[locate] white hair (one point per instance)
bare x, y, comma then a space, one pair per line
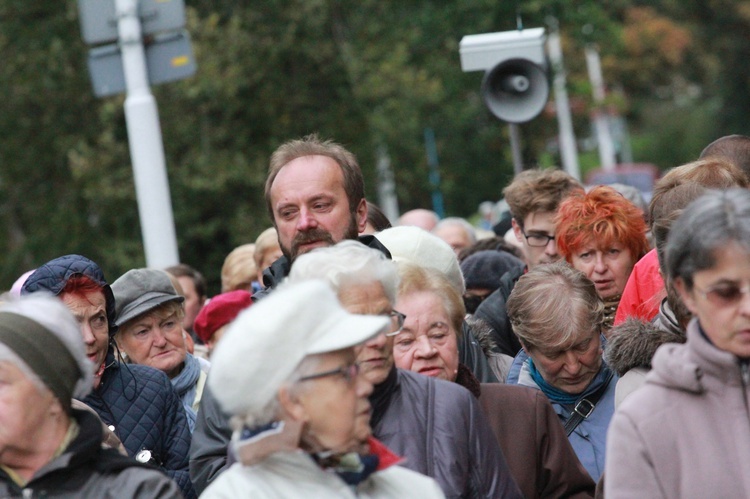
346, 263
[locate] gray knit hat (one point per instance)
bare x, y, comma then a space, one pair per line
41, 337
484, 269
138, 291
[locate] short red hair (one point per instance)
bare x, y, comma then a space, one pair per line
602, 216
81, 286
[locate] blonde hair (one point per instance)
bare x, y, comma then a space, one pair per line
268, 240
552, 304
239, 269
415, 279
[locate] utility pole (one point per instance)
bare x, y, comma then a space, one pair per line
126, 65
567, 139
601, 123
145, 141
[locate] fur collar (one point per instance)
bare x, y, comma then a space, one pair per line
633, 344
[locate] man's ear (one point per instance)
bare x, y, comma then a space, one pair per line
685, 295
516, 230
361, 215
291, 404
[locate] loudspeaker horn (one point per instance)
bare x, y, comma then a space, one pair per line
515, 90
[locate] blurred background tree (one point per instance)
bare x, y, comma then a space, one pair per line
368, 74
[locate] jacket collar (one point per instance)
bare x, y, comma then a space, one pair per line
381, 396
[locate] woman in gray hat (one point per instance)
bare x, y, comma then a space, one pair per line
149, 314
47, 448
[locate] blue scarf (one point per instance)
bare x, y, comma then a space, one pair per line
561, 397
185, 384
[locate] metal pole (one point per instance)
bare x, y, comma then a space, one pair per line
601, 124
145, 141
568, 150
432, 162
515, 147
386, 185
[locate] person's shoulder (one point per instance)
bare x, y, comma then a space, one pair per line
443, 391
397, 481
151, 383
145, 483
147, 374
241, 481
516, 394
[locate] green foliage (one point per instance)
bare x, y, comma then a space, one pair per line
367, 74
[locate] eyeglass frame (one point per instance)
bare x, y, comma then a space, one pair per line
400, 320
720, 301
546, 236
349, 372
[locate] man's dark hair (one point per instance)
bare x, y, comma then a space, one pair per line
376, 217
185, 270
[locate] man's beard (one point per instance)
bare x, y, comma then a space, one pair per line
318, 235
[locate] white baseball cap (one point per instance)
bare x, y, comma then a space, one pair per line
266, 342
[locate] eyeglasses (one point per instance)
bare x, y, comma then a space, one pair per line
724, 295
347, 372
538, 240
397, 322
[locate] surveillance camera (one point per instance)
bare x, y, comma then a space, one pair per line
483, 52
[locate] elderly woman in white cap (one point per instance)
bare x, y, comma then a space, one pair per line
48, 449
149, 314
286, 371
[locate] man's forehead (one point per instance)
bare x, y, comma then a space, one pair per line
542, 221
307, 177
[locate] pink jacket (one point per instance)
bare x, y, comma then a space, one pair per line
686, 432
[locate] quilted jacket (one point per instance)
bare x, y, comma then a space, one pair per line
146, 413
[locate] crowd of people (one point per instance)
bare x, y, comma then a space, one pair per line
595, 345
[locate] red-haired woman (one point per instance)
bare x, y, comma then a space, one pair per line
603, 235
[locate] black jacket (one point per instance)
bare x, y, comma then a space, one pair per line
440, 429
85, 469
492, 310
279, 269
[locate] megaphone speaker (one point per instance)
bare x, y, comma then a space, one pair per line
516, 90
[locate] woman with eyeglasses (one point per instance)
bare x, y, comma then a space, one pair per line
686, 432
541, 459
299, 433
603, 235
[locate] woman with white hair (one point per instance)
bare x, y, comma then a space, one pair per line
685, 433
48, 449
286, 371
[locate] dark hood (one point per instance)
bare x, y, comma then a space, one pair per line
54, 275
